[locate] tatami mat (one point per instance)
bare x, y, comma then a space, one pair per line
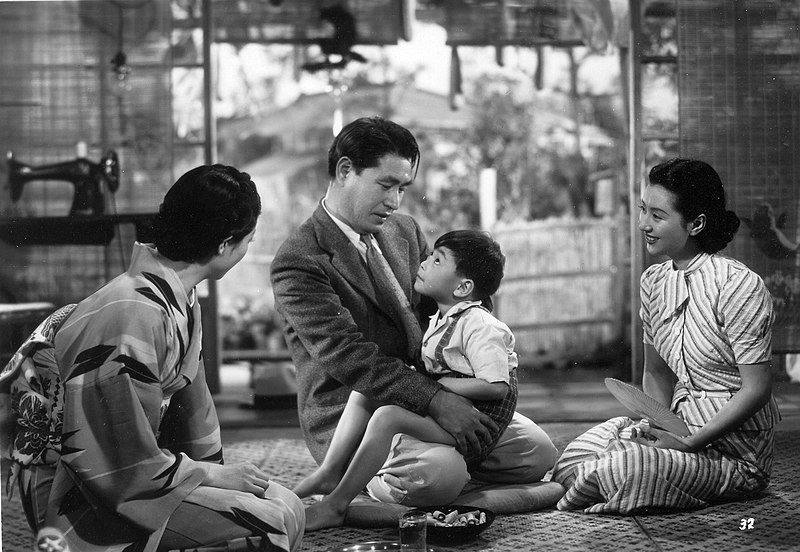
775, 519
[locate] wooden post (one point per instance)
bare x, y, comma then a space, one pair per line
488, 198
212, 340
635, 171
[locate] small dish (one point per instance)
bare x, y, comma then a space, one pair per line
455, 523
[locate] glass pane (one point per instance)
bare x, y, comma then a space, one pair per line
187, 46
187, 104
659, 36
660, 100
187, 157
657, 151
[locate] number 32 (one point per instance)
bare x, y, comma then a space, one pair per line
746, 524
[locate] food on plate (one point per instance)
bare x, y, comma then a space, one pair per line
437, 518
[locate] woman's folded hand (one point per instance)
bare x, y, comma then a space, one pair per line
244, 477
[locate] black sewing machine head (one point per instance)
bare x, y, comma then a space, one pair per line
87, 177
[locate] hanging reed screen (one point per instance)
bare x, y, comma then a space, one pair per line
521, 23
59, 88
739, 63
308, 21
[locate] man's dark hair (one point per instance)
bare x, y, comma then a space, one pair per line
365, 141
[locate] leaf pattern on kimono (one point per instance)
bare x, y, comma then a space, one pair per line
215, 458
189, 320
91, 359
136, 546
150, 294
181, 352
135, 369
165, 289
168, 475
65, 447
254, 523
72, 502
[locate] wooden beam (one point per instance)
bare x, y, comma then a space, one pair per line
635, 173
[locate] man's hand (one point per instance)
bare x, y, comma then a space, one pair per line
243, 477
468, 425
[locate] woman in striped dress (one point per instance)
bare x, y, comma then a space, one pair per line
707, 323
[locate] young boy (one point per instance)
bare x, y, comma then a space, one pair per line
465, 348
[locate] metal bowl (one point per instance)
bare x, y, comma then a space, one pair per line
372, 546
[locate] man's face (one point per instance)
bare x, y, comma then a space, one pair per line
365, 201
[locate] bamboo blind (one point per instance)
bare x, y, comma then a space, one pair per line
58, 88
740, 111
298, 21
501, 22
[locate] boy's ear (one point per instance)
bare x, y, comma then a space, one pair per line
464, 289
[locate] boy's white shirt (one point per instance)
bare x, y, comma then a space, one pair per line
481, 345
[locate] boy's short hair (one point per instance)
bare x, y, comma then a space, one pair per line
477, 257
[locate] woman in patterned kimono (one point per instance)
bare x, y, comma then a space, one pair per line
707, 323
115, 437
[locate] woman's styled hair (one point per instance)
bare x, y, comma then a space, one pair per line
698, 191
477, 257
368, 139
205, 206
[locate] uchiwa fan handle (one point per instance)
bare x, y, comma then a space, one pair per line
656, 413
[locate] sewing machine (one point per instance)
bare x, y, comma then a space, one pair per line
88, 178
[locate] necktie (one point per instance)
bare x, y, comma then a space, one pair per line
388, 286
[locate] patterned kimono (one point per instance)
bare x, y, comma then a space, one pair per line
115, 428
704, 322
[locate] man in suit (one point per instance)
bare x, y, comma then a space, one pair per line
345, 332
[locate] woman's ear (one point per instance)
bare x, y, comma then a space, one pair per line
464, 289
224, 243
697, 225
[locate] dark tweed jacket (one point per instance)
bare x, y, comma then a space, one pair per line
341, 335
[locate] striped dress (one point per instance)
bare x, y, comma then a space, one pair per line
703, 321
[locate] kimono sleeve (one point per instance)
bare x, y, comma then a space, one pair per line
191, 424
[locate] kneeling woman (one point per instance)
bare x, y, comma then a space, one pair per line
115, 438
707, 323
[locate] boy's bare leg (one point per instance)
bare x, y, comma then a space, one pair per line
346, 439
385, 422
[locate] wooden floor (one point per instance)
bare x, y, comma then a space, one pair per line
550, 396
